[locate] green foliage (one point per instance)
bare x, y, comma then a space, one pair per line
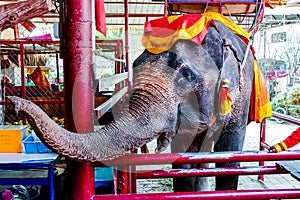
288, 99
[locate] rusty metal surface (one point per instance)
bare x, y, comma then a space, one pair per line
146, 174
204, 157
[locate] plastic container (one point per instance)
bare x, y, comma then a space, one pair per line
104, 180
33, 145
11, 137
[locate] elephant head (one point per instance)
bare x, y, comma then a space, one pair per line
163, 83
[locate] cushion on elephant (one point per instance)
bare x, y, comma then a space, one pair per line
160, 34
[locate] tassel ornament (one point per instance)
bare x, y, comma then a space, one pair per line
224, 98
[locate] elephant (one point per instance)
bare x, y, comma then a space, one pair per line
175, 99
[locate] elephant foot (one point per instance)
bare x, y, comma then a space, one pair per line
201, 184
184, 184
164, 140
226, 182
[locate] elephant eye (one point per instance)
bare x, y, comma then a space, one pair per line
187, 74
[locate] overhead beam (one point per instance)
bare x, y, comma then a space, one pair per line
13, 13
134, 15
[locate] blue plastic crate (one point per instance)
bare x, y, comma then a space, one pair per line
35, 146
104, 180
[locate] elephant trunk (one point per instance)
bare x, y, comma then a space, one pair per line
147, 116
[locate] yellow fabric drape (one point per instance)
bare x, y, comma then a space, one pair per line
160, 34
30, 70
230, 24
263, 108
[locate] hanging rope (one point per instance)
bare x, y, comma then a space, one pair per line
257, 12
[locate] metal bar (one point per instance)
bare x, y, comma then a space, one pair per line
77, 57
24, 181
25, 166
133, 178
177, 173
126, 9
47, 101
262, 139
29, 53
23, 90
108, 41
209, 195
134, 3
202, 157
214, 1
286, 118
57, 67
104, 107
51, 182
29, 42
111, 80
123, 179
98, 53
134, 15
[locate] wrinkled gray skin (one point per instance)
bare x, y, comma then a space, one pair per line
175, 97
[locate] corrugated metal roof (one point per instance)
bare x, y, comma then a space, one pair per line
139, 11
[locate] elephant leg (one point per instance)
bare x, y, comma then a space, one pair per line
227, 182
186, 184
229, 141
164, 140
202, 183
189, 184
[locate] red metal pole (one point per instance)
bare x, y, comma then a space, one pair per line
77, 51
133, 178
22, 65
123, 179
22, 56
262, 139
124, 175
126, 9
286, 118
175, 173
209, 195
201, 157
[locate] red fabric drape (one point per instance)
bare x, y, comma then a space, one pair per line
39, 79
100, 16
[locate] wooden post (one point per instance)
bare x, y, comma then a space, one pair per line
14, 13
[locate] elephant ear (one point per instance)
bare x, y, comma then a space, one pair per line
230, 39
234, 49
214, 46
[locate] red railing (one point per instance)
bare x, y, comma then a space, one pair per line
126, 174
125, 182
237, 194
277, 115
